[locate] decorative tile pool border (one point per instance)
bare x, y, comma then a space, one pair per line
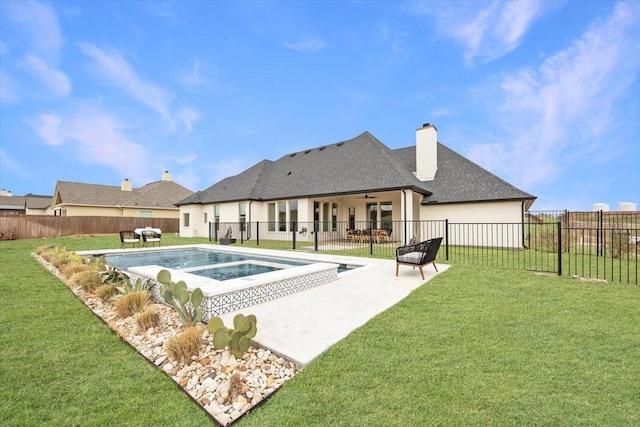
219, 304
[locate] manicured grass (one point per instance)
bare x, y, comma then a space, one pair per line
478, 346
475, 346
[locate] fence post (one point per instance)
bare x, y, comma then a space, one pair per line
446, 239
315, 235
209, 230
370, 237
559, 248
293, 234
257, 233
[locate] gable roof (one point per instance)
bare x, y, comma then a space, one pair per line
28, 201
155, 195
359, 165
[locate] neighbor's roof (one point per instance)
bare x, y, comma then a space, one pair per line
359, 165
155, 195
28, 201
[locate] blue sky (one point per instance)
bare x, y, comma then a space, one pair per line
545, 94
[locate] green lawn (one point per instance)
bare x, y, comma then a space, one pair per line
475, 346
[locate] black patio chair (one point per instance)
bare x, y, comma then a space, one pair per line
418, 255
150, 236
129, 238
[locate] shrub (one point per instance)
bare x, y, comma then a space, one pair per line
104, 292
111, 274
131, 303
125, 287
70, 269
87, 280
147, 319
185, 345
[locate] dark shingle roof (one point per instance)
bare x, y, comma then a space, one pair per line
458, 179
159, 194
359, 165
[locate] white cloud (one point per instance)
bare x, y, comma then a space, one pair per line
555, 115
309, 44
487, 30
192, 77
8, 164
118, 72
8, 88
188, 116
52, 78
47, 126
96, 138
40, 23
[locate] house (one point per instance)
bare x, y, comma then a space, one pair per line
153, 200
29, 204
357, 181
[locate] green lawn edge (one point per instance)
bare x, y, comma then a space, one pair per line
474, 346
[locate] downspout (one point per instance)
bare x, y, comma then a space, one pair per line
249, 222
404, 203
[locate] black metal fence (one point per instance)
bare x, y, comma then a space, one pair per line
589, 245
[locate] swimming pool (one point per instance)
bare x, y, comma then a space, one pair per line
220, 265
231, 278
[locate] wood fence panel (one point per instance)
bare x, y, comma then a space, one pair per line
39, 226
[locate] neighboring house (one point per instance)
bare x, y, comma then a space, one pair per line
29, 204
153, 200
356, 181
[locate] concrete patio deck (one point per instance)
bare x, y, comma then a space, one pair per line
303, 325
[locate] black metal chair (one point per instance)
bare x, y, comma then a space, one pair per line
129, 237
150, 236
418, 255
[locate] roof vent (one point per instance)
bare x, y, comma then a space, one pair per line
339, 144
307, 151
292, 155
289, 173
321, 148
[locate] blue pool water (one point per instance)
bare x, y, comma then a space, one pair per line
189, 258
186, 258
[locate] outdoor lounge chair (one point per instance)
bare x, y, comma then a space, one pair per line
150, 236
129, 237
418, 255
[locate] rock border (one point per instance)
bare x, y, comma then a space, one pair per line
206, 378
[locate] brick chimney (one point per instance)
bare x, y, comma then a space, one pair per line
426, 152
166, 176
126, 185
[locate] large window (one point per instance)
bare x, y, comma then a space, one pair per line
386, 215
216, 217
282, 216
325, 216
185, 219
271, 219
372, 209
334, 217
146, 214
242, 215
352, 218
293, 215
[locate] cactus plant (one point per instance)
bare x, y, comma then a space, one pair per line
176, 294
237, 338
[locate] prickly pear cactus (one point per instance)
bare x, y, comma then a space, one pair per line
176, 294
237, 338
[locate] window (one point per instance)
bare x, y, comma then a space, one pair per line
293, 215
282, 216
372, 208
216, 216
325, 217
386, 215
185, 219
206, 217
242, 210
271, 219
334, 217
352, 218
146, 214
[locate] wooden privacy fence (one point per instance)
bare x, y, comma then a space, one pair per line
38, 226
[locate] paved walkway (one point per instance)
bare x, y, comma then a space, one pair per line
303, 325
